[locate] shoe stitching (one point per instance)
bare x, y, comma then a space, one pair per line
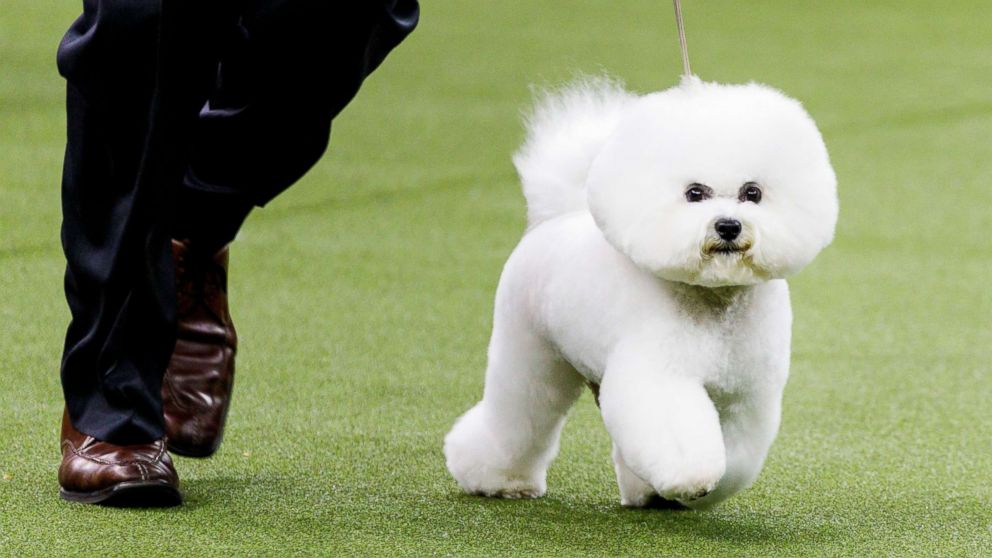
138, 461
86, 441
161, 450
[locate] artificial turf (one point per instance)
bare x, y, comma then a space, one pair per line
363, 299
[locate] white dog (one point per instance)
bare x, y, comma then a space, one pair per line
660, 228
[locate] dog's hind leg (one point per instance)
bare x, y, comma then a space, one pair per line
634, 491
504, 445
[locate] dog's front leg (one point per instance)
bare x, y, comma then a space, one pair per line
664, 426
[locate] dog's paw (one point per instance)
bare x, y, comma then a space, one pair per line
494, 483
480, 467
514, 490
690, 485
638, 499
689, 492
497, 483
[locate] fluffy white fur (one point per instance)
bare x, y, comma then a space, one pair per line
622, 282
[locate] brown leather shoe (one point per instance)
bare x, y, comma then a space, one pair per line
196, 390
95, 472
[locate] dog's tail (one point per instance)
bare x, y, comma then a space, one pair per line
565, 132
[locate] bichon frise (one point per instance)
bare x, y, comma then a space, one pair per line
660, 228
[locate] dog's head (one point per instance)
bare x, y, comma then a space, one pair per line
716, 185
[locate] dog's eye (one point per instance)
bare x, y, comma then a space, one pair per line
698, 192
750, 192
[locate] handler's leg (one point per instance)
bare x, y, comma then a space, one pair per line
295, 65
137, 71
290, 67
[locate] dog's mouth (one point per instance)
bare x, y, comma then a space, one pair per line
725, 248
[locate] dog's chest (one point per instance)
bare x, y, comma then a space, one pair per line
728, 342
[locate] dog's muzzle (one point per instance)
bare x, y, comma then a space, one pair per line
727, 240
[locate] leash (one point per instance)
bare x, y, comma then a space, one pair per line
686, 70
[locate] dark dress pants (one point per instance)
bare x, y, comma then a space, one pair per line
227, 102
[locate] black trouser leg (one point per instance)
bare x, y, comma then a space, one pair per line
138, 71
294, 65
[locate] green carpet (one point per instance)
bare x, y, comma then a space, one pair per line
363, 298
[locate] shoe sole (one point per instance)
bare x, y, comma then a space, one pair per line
129, 494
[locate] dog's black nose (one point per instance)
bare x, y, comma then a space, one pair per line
728, 229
